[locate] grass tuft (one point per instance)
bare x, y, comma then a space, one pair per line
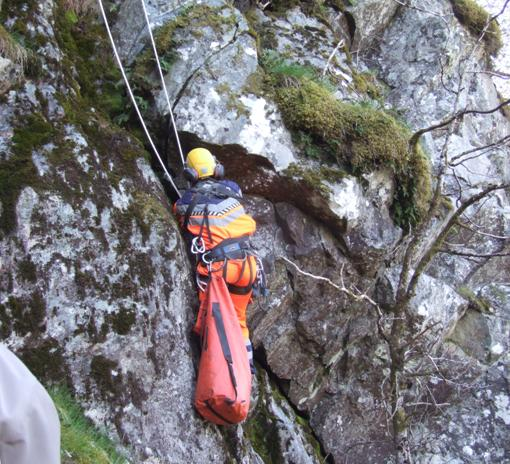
10, 49
81, 442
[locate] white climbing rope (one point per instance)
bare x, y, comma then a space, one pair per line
119, 62
154, 49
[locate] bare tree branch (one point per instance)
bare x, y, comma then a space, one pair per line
326, 68
501, 142
472, 255
499, 74
416, 136
479, 232
342, 288
501, 12
425, 260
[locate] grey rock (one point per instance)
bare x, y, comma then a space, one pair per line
10, 74
370, 232
371, 18
473, 429
228, 112
434, 304
98, 285
130, 28
275, 431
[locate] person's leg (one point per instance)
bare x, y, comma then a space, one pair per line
241, 277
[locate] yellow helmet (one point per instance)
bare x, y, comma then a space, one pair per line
202, 162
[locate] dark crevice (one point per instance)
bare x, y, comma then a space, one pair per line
283, 386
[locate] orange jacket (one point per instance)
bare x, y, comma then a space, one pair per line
211, 209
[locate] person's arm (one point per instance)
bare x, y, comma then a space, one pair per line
29, 424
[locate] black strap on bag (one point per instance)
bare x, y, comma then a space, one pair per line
224, 344
205, 218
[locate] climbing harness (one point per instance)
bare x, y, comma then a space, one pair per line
154, 49
235, 248
133, 100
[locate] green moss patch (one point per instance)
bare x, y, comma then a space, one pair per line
315, 178
81, 442
315, 8
107, 375
45, 359
475, 18
18, 171
27, 270
148, 212
122, 321
360, 138
261, 429
476, 302
88, 63
365, 83
24, 315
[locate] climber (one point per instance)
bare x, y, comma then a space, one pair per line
29, 424
218, 229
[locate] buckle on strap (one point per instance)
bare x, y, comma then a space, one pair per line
233, 248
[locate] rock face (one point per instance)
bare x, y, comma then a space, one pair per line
96, 285
231, 111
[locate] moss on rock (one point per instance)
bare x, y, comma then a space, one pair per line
262, 427
11, 49
262, 431
45, 359
193, 18
122, 321
27, 270
315, 177
19, 171
476, 302
475, 18
24, 315
362, 139
105, 372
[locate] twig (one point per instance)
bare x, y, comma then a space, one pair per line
499, 74
485, 234
342, 288
414, 139
340, 44
425, 260
424, 403
502, 141
472, 255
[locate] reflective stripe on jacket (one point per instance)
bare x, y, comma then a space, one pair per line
214, 218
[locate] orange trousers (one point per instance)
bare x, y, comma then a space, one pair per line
239, 273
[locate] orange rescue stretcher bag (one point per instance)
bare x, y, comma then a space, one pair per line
224, 378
